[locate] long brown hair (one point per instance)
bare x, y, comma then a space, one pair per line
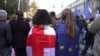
69, 16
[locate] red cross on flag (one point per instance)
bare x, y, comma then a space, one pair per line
41, 41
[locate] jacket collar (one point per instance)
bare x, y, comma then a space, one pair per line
20, 19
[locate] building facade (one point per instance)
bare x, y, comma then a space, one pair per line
93, 5
79, 4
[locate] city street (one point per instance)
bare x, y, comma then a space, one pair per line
49, 27
88, 52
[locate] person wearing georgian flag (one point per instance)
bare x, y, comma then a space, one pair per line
41, 39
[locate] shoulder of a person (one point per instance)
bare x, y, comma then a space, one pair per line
6, 24
97, 19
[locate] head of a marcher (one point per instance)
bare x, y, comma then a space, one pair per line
91, 19
52, 14
69, 17
19, 14
98, 8
42, 17
77, 17
3, 15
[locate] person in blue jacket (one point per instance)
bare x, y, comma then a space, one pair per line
67, 35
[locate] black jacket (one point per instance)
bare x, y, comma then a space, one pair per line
20, 30
5, 35
89, 37
80, 24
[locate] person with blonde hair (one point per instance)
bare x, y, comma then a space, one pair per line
67, 34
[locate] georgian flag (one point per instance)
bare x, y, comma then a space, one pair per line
41, 41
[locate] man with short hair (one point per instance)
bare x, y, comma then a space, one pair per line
5, 35
20, 30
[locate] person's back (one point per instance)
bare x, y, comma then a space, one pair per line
41, 39
5, 35
71, 46
3, 28
68, 35
89, 37
79, 23
20, 31
94, 27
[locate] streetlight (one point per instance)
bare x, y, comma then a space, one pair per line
5, 2
53, 6
62, 6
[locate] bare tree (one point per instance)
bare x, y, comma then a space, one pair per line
33, 8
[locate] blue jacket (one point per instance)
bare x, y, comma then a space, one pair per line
5, 35
71, 46
79, 23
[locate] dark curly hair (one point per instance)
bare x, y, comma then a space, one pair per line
19, 14
52, 14
42, 17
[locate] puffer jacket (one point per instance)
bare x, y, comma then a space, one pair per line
5, 35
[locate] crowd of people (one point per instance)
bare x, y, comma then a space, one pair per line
47, 35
